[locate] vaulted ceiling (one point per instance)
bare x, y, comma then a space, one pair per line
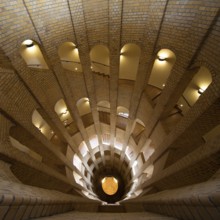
124, 89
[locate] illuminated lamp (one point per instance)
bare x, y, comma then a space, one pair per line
29, 43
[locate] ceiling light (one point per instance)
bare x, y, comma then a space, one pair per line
110, 185
29, 43
163, 85
65, 111
161, 58
200, 91
181, 105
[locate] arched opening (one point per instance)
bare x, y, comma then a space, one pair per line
162, 68
32, 55
129, 61
103, 106
83, 106
197, 86
160, 72
69, 56
99, 56
63, 112
42, 125
122, 111
84, 109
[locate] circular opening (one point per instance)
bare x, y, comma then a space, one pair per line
110, 185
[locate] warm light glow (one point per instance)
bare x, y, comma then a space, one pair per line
110, 185
116, 181
162, 56
29, 43
200, 91
65, 111
123, 114
76, 51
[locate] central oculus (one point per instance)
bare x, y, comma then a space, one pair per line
110, 185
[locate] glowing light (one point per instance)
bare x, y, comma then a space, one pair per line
200, 91
109, 185
123, 114
163, 85
29, 43
181, 105
65, 112
162, 56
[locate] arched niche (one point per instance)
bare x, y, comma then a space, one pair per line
103, 106
122, 111
199, 83
129, 61
162, 68
63, 112
42, 125
69, 56
32, 55
83, 106
99, 56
